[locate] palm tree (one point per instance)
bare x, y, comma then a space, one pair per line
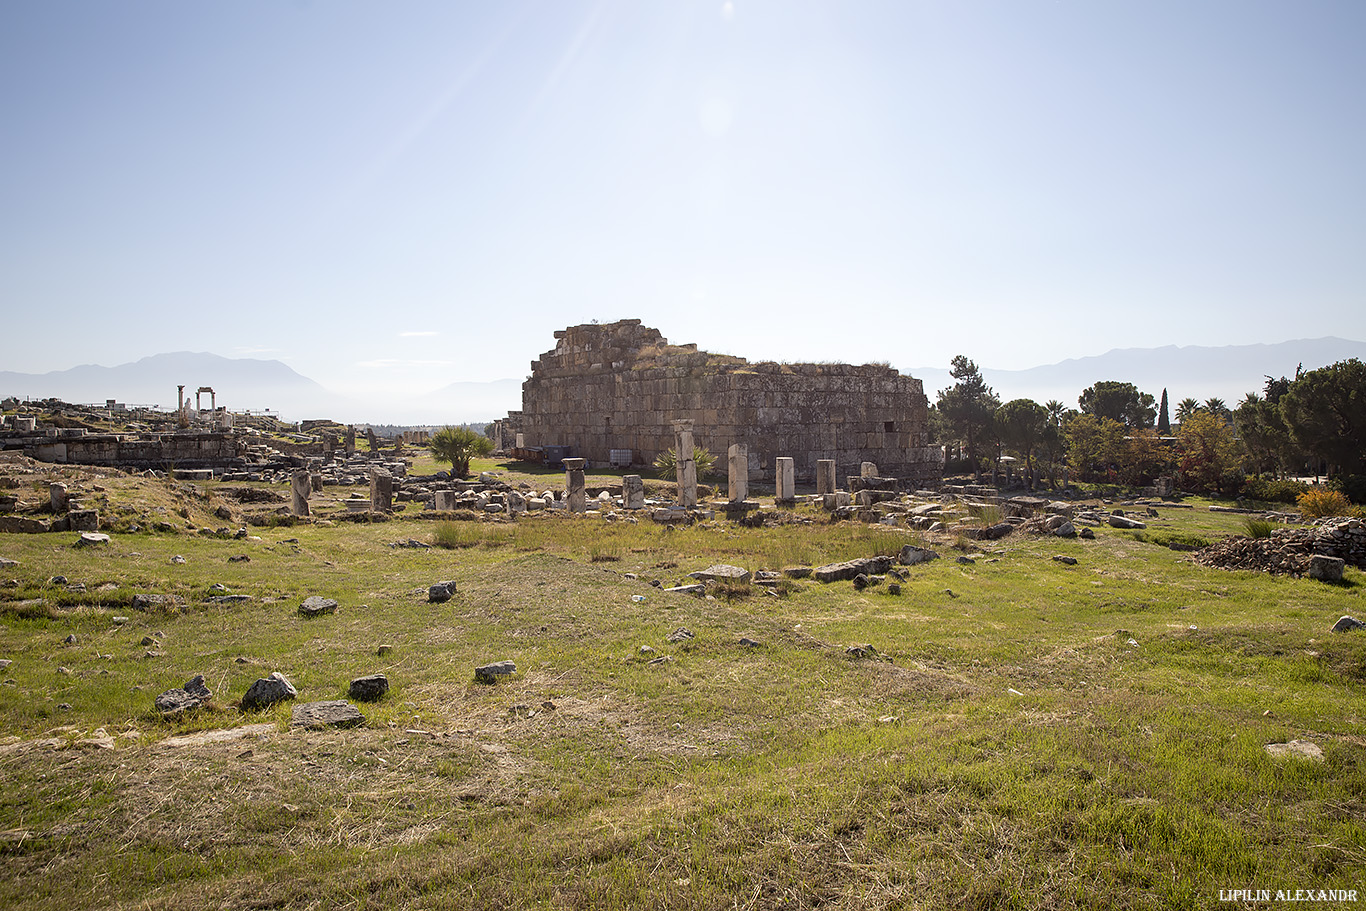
1056, 411
458, 445
1185, 408
1217, 408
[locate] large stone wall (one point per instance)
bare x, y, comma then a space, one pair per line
618, 386
153, 450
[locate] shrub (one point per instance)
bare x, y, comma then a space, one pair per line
1231, 482
458, 445
1270, 490
1320, 501
666, 463
1258, 528
1353, 486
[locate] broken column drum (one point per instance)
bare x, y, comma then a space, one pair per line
737, 460
785, 480
574, 485
381, 491
633, 492
301, 484
685, 469
825, 476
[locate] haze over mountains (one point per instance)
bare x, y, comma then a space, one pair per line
1228, 372
243, 384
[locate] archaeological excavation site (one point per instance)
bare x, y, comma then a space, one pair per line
684, 631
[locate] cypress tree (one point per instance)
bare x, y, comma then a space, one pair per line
1164, 423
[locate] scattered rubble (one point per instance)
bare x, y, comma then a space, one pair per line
333, 713
721, 572
316, 606
370, 688
1292, 551
267, 691
489, 673
192, 695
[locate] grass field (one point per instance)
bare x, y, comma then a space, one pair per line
1043, 735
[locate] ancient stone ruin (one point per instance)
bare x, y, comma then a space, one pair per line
612, 392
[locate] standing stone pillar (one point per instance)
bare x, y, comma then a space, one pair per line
301, 484
738, 458
685, 469
785, 479
381, 491
520, 441
632, 492
825, 476
573, 484
868, 470
315, 481
56, 495
350, 440
497, 436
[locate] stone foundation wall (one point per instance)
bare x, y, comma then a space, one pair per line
618, 387
186, 450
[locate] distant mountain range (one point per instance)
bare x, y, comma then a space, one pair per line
1192, 371
258, 385
248, 384
239, 383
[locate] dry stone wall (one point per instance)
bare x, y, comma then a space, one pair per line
155, 450
619, 386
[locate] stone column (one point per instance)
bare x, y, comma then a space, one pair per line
738, 458
497, 436
868, 470
350, 440
632, 492
301, 484
785, 479
685, 469
573, 484
56, 496
315, 481
381, 491
825, 476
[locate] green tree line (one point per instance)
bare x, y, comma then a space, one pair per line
1312, 424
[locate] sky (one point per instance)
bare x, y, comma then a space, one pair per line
392, 196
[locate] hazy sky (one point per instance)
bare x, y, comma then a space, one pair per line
403, 194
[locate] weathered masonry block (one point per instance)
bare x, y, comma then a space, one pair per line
620, 386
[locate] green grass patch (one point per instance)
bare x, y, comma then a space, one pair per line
1043, 735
